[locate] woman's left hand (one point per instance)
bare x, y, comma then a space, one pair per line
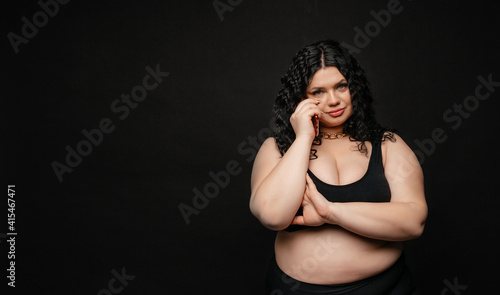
315, 207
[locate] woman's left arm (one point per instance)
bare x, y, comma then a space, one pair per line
401, 219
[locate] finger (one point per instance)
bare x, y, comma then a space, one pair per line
312, 192
307, 100
313, 98
299, 220
308, 113
313, 111
306, 103
316, 198
310, 183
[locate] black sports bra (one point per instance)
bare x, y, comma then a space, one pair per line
372, 187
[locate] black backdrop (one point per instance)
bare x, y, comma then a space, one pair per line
117, 211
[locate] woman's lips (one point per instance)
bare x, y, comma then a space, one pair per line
336, 113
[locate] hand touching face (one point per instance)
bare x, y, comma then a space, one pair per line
330, 88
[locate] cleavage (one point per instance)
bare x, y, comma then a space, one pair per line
339, 164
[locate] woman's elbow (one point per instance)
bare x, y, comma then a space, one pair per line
269, 218
416, 231
273, 223
416, 228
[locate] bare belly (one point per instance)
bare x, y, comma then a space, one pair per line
332, 255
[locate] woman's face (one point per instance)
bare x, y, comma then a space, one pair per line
330, 88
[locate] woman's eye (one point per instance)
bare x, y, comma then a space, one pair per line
342, 86
317, 92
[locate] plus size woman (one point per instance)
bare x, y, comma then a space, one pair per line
341, 191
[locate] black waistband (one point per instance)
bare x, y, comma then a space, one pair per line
278, 282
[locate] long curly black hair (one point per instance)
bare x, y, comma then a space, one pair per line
361, 125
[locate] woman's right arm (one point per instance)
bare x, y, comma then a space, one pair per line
278, 183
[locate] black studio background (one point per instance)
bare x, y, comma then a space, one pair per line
117, 212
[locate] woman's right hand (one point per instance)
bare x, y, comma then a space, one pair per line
301, 119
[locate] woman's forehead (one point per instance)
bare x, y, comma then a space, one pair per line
326, 76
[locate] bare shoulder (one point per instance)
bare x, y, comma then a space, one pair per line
268, 151
270, 143
395, 147
399, 159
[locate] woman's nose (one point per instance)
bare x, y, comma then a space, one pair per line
332, 99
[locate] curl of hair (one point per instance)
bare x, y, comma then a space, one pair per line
361, 125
